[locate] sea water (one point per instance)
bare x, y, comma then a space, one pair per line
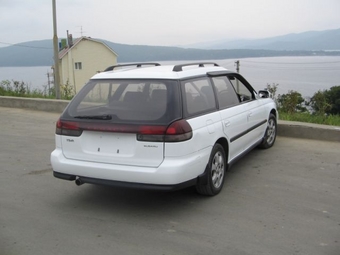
305, 75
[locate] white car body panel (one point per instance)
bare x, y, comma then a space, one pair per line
172, 171
112, 148
205, 130
234, 123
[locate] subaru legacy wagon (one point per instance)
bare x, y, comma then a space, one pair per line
144, 125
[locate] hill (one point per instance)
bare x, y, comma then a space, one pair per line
40, 53
311, 40
34, 53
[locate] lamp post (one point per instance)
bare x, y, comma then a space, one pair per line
56, 52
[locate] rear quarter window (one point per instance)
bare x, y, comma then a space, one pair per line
226, 94
198, 96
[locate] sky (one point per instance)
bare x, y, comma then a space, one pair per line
164, 22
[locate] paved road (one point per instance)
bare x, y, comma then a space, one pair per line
285, 200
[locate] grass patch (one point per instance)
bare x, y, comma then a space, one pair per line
333, 120
22, 89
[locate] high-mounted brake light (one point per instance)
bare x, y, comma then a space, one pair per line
152, 130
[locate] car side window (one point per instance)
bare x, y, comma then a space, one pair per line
199, 96
226, 95
241, 89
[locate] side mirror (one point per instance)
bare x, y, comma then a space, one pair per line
264, 94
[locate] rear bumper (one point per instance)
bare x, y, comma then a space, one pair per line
172, 174
125, 184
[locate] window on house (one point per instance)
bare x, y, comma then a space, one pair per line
78, 66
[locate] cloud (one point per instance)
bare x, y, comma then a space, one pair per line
163, 22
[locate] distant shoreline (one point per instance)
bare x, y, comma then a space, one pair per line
224, 54
328, 53
305, 74
40, 53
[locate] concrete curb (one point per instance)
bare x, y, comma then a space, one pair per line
38, 104
308, 131
285, 128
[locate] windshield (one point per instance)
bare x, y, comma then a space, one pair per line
123, 101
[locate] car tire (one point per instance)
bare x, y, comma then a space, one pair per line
270, 134
215, 173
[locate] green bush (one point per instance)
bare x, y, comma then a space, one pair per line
22, 89
291, 102
326, 102
333, 98
323, 107
319, 103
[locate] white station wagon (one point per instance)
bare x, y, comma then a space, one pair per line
149, 126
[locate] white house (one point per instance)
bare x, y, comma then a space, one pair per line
83, 58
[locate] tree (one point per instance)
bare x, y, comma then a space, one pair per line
333, 98
319, 103
326, 102
272, 89
291, 102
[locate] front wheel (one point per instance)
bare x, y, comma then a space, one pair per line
270, 135
215, 172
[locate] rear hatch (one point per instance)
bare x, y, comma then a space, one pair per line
120, 121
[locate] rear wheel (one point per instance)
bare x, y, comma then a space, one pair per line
270, 135
215, 172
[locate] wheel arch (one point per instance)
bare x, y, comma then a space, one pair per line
224, 143
202, 179
274, 112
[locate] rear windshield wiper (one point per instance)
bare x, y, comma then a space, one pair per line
95, 117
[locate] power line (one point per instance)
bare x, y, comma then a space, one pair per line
26, 46
290, 63
283, 68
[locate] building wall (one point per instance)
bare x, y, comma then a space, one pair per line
93, 56
64, 73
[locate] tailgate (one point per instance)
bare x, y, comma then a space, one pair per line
112, 148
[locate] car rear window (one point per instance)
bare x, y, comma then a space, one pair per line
151, 101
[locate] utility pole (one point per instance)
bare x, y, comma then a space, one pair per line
56, 52
48, 83
238, 71
237, 66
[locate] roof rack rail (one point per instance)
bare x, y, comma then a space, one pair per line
179, 68
110, 68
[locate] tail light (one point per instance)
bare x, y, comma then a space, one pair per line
68, 128
177, 131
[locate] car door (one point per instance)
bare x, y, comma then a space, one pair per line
233, 115
256, 119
